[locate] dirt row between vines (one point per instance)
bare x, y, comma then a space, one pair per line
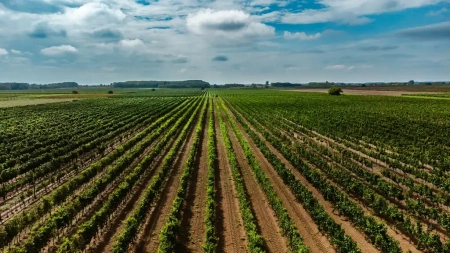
278, 184
148, 237
29, 201
92, 207
194, 210
308, 229
404, 242
107, 238
401, 204
230, 230
264, 213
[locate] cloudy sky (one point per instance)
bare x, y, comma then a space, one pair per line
224, 41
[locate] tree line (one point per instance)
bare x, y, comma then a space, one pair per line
27, 86
162, 84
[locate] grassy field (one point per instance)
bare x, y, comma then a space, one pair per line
34, 97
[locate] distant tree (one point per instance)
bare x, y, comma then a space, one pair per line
267, 83
203, 88
363, 85
110, 92
153, 89
428, 83
74, 92
411, 82
335, 91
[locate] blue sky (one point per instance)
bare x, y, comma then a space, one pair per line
224, 41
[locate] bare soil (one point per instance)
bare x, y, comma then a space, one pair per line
264, 214
148, 238
194, 211
231, 233
116, 225
313, 238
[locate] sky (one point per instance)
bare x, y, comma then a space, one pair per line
224, 41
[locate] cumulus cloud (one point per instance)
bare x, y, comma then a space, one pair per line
131, 45
3, 51
301, 36
429, 32
227, 24
351, 11
220, 58
94, 13
18, 52
59, 50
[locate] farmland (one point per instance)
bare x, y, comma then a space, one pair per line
224, 170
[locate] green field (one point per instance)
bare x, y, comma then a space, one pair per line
190, 170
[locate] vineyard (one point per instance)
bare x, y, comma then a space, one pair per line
226, 170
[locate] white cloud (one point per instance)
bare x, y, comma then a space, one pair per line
3, 51
351, 11
18, 52
348, 68
335, 67
182, 71
94, 13
301, 36
59, 50
227, 24
131, 44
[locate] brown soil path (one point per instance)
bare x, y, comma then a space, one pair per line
349, 229
193, 224
264, 214
404, 242
402, 205
148, 238
105, 241
90, 209
231, 233
313, 238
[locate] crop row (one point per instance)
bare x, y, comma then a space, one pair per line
286, 223
89, 228
255, 240
211, 239
59, 195
170, 232
139, 214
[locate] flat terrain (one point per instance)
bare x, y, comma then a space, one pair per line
371, 92
225, 170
